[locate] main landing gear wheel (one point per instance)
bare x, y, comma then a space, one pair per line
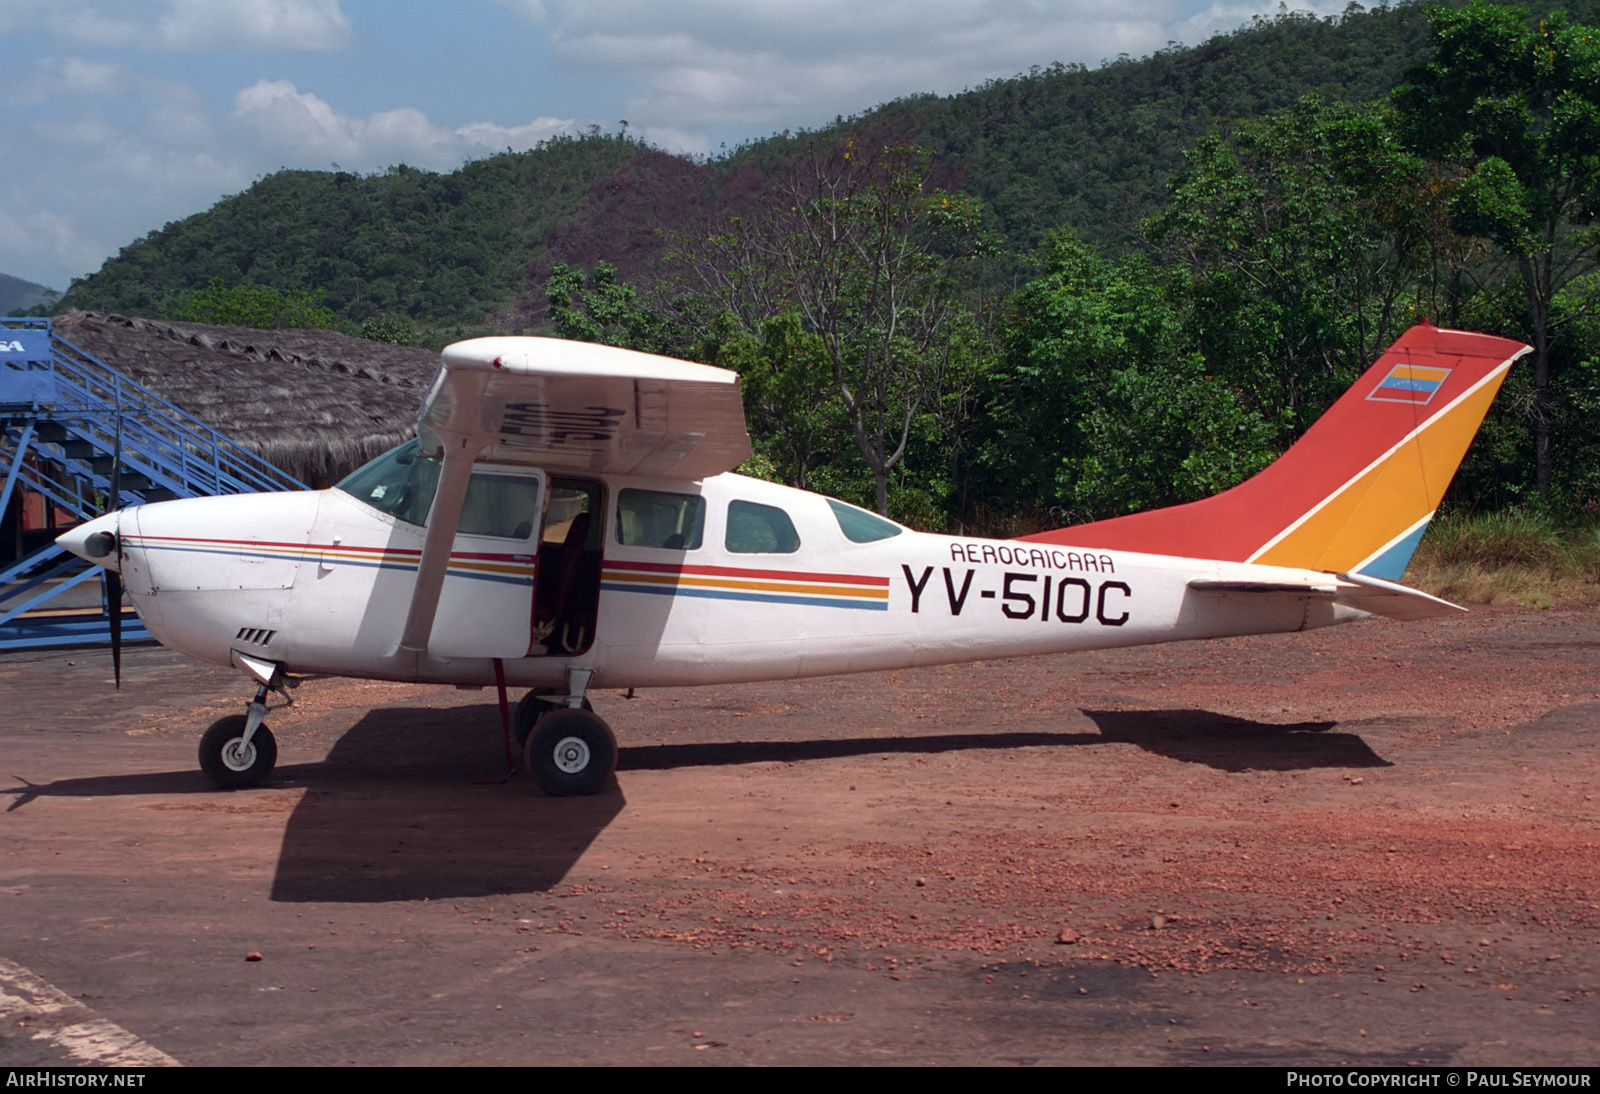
231, 763
570, 752
533, 707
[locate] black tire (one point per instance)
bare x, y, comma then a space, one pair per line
225, 766
533, 707
570, 752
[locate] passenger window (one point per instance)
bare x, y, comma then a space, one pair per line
860, 526
655, 518
500, 505
760, 530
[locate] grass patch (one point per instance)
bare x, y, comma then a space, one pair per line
1511, 557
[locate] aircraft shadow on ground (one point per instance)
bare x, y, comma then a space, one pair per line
1235, 744
1190, 736
109, 786
413, 803
667, 757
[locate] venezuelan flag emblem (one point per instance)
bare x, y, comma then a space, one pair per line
1416, 384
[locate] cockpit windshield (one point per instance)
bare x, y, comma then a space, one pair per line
400, 482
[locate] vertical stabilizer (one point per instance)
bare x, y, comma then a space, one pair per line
1356, 492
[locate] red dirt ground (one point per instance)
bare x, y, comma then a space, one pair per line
1377, 843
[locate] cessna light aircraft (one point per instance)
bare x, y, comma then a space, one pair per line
567, 519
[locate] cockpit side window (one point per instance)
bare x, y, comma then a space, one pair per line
500, 505
656, 518
402, 482
760, 530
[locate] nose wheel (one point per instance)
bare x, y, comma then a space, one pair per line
239, 750
233, 760
570, 751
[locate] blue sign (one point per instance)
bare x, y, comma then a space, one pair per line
24, 345
26, 387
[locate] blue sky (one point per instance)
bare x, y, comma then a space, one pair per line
122, 115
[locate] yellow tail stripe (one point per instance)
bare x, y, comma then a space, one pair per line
1390, 497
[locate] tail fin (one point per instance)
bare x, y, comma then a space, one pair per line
1356, 492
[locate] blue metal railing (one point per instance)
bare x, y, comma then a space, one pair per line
66, 418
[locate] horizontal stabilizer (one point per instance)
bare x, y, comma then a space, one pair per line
1372, 595
1393, 601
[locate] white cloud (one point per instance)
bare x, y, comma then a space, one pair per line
92, 183
1221, 18
282, 118
746, 63
677, 140
254, 24
55, 78
491, 137
287, 121
113, 151
42, 232
529, 11
187, 25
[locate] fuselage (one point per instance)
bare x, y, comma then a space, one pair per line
646, 582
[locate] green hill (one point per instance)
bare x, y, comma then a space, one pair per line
1061, 145
443, 249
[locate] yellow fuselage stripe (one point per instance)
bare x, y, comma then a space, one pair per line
754, 586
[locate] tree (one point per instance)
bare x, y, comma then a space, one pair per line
389, 328
780, 372
1307, 242
256, 306
1512, 112
1101, 405
600, 308
867, 255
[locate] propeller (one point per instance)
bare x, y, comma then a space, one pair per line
99, 541
113, 577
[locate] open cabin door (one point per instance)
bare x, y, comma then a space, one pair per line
486, 605
569, 408
566, 601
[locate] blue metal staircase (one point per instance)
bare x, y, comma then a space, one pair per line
65, 416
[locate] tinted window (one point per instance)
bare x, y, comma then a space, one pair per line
655, 518
500, 505
760, 530
860, 526
400, 482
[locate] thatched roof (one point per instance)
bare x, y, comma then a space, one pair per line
315, 403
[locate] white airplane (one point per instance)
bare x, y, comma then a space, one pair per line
567, 519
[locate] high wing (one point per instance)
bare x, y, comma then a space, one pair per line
564, 406
576, 406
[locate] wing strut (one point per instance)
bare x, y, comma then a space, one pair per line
459, 452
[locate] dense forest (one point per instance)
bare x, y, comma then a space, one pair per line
1057, 297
